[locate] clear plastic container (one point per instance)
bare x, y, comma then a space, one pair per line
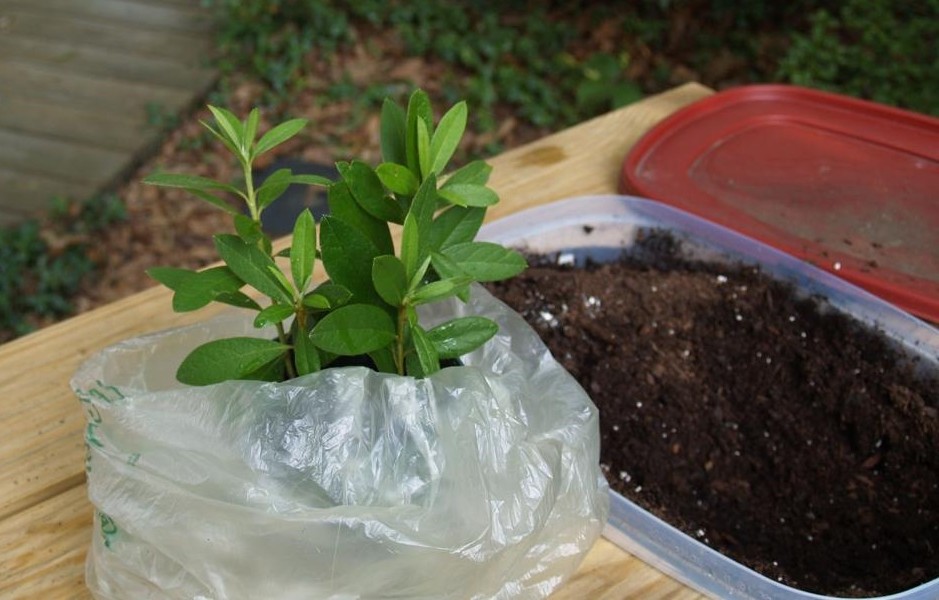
599, 227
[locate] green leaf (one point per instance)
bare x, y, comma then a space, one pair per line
455, 225
227, 359
461, 336
413, 364
222, 138
397, 178
418, 110
272, 315
193, 289
368, 191
239, 299
205, 286
437, 290
280, 181
353, 330
392, 133
306, 357
384, 360
418, 276
278, 135
476, 172
230, 126
469, 194
423, 148
303, 250
282, 280
424, 205
273, 187
485, 261
252, 266
343, 206
390, 279
327, 296
347, 258
426, 352
188, 182
311, 180
272, 371
251, 126
248, 229
413, 317
214, 201
447, 268
447, 137
410, 245
171, 277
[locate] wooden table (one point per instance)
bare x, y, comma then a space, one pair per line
45, 517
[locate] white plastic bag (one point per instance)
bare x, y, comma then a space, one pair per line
481, 481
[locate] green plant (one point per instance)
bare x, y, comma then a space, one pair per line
160, 117
271, 39
873, 49
368, 306
44, 263
605, 85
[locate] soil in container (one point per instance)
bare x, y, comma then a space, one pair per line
784, 435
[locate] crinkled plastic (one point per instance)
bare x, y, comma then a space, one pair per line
481, 481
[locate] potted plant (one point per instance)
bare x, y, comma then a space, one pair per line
769, 429
390, 431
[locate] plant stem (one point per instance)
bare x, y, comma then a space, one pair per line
249, 188
399, 342
282, 336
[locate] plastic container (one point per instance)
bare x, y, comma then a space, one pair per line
845, 184
613, 222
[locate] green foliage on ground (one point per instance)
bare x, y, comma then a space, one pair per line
873, 49
529, 56
43, 267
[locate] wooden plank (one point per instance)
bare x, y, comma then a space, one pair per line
523, 178
79, 125
179, 18
56, 159
608, 573
105, 64
174, 3
22, 194
108, 97
42, 550
83, 32
41, 420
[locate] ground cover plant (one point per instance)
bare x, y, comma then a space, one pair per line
43, 262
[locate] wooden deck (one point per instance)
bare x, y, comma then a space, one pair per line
79, 80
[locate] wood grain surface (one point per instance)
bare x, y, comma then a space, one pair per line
45, 516
79, 81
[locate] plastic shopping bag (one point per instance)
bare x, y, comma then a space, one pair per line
481, 481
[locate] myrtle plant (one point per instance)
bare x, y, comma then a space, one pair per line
367, 307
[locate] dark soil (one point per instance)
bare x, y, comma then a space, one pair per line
782, 435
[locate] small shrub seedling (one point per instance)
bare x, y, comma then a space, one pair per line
367, 307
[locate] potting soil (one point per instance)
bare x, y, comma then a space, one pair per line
780, 433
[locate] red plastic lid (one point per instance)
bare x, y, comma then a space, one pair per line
848, 185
